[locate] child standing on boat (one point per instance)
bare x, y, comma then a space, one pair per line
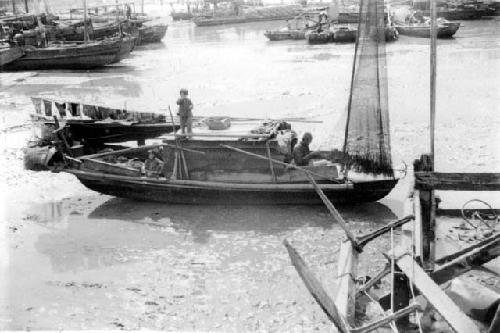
185, 112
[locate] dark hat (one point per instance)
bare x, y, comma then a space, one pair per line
184, 91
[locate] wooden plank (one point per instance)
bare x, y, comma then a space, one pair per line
433, 293
387, 319
317, 291
457, 181
347, 267
467, 261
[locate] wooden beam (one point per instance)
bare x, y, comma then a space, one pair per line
467, 261
346, 288
433, 293
457, 181
386, 320
450, 257
363, 240
317, 291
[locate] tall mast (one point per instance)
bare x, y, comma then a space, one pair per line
85, 31
142, 7
26, 6
433, 79
14, 7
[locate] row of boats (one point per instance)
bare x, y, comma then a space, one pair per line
231, 12
32, 42
309, 27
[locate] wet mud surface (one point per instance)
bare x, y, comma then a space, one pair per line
75, 259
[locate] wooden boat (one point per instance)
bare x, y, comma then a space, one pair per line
344, 35
221, 176
61, 55
212, 21
152, 33
445, 30
319, 37
294, 34
181, 16
97, 125
10, 54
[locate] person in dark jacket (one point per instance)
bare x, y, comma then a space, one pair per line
301, 152
185, 112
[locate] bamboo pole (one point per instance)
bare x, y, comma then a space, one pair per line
85, 29
433, 79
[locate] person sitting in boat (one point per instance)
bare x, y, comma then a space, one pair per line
185, 112
153, 166
301, 152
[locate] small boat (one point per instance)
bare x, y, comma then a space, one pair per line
296, 29
181, 16
10, 54
344, 34
152, 33
444, 29
96, 125
248, 14
221, 176
63, 55
319, 37
294, 34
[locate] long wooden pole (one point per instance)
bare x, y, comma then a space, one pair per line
433, 79
14, 7
26, 7
85, 29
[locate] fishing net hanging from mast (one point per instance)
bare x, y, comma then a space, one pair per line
367, 141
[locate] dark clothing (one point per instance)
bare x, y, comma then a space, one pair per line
185, 114
153, 167
185, 107
299, 153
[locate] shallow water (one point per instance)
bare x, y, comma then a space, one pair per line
77, 259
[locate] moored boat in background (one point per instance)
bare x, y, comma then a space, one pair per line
444, 29
9, 54
65, 55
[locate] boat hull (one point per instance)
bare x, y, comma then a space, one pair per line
319, 37
444, 31
95, 54
205, 22
285, 35
211, 193
9, 55
116, 132
152, 34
